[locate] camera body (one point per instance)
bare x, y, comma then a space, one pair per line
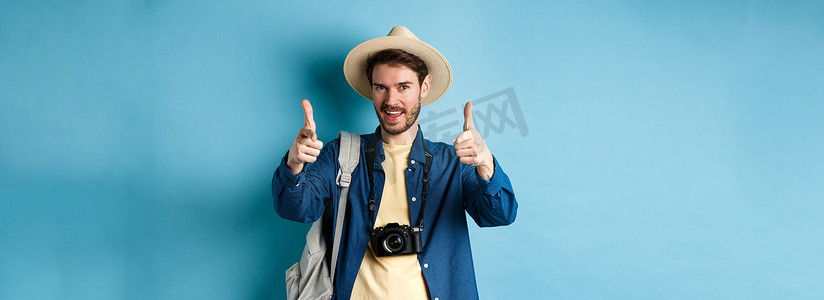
396, 239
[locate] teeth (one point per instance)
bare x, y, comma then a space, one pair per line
393, 112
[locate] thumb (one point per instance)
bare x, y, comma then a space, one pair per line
308, 119
469, 123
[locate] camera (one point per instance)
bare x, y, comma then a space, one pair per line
395, 239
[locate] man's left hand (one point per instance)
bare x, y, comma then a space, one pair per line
471, 149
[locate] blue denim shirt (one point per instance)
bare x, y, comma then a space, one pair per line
446, 259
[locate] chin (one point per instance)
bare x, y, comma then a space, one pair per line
394, 129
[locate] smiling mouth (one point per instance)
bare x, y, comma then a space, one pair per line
393, 116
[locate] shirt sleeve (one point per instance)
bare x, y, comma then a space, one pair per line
489, 202
302, 197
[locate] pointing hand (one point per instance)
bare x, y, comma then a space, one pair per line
306, 147
471, 149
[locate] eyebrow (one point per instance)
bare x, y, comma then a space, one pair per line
399, 84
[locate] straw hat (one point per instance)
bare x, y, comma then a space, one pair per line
354, 67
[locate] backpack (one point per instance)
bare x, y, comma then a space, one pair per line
311, 278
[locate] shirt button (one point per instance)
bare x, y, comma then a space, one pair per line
436, 298
413, 199
413, 161
425, 266
409, 170
297, 184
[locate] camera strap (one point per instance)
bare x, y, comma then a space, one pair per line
370, 162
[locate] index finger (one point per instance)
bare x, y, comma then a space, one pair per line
308, 118
469, 123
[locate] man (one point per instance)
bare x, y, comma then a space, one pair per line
424, 185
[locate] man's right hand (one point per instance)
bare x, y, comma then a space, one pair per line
306, 147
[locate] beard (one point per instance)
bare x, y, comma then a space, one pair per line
410, 116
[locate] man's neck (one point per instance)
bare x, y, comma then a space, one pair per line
403, 138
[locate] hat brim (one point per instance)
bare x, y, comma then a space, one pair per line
354, 67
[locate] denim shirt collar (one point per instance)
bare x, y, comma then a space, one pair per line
416, 153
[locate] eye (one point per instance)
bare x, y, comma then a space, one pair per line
403, 87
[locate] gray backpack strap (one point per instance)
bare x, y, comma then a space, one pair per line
348, 158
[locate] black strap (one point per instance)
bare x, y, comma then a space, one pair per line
370, 163
425, 179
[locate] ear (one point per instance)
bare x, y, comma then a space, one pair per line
425, 85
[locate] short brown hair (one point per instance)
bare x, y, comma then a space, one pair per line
394, 57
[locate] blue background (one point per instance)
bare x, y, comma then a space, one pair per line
675, 148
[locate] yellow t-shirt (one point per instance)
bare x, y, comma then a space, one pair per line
399, 276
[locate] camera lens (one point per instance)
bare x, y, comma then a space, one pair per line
393, 242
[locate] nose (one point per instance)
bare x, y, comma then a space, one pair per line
393, 96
